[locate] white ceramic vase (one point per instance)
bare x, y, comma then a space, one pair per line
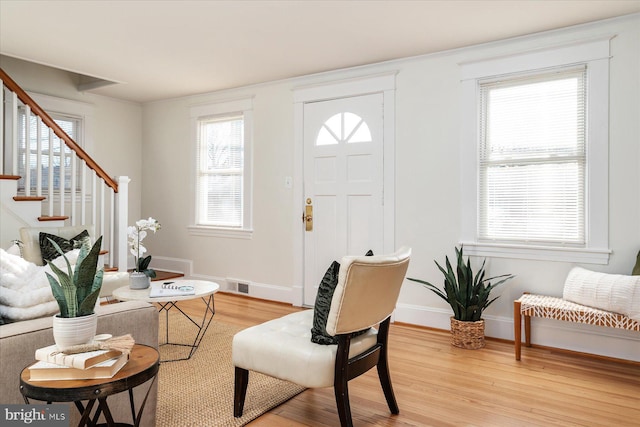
139, 280
70, 331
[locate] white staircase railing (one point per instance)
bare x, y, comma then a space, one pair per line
52, 165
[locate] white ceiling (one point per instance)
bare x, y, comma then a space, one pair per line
165, 49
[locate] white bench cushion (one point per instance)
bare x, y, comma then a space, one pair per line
617, 293
282, 348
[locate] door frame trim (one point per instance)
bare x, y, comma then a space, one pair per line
378, 83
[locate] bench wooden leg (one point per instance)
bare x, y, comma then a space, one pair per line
517, 328
527, 330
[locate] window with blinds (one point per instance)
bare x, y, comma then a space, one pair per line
532, 159
221, 160
50, 146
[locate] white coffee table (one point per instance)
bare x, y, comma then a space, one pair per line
203, 289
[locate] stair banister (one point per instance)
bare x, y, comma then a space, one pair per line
46, 119
117, 210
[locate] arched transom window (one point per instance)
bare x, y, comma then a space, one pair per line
343, 127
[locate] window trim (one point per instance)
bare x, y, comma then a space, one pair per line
68, 107
83, 111
240, 106
595, 54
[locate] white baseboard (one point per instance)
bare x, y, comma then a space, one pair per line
255, 289
598, 340
602, 341
173, 265
297, 299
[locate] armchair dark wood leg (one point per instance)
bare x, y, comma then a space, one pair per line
383, 369
242, 380
341, 379
342, 401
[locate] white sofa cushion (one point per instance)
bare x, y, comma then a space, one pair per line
25, 292
617, 293
282, 348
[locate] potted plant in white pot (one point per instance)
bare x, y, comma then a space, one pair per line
140, 277
76, 293
468, 295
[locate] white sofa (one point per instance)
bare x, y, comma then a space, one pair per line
20, 340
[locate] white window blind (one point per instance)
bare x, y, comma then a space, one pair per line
220, 189
533, 158
56, 148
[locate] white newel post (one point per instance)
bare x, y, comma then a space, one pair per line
122, 217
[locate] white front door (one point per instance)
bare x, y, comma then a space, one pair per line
343, 182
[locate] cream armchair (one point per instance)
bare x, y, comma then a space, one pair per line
365, 296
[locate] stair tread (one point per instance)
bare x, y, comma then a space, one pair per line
29, 198
52, 218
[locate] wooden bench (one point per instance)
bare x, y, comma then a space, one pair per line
529, 305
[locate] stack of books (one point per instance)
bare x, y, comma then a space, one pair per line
52, 365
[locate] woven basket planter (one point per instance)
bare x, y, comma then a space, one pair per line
469, 335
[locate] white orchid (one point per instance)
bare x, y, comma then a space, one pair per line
135, 235
148, 224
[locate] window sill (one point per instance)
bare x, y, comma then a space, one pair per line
542, 253
231, 233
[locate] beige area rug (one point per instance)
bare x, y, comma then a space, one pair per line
199, 391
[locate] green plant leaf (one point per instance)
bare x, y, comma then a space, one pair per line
85, 271
68, 289
61, 252
431, 287
467, 293
77, 291
56, 290
84, 250
87, 306
143, 263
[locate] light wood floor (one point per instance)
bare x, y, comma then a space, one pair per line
439, 385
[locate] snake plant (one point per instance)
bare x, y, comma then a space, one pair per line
77, 290
468, 295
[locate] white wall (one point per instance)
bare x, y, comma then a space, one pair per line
428, 205
168, 192
152, 145
117, 124
433, 159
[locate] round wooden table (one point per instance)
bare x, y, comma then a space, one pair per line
143, 365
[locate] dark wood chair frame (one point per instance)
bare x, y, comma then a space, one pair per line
345, 370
